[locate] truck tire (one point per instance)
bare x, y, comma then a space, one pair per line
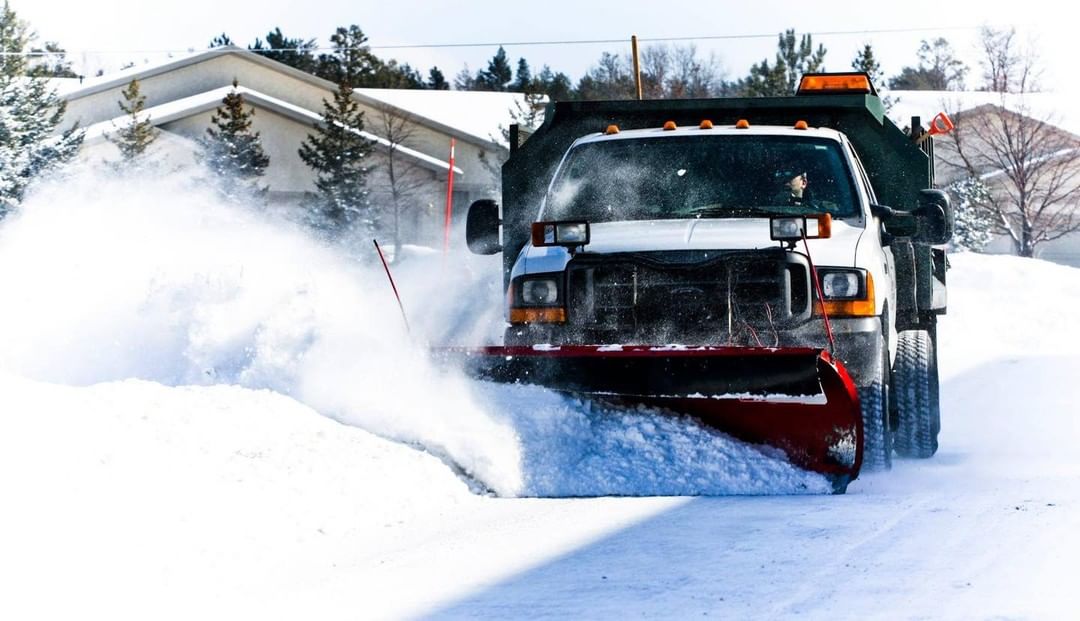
874, 401
916, 393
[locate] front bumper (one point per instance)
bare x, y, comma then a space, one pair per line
858, 341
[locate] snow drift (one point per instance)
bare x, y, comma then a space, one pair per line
111, 278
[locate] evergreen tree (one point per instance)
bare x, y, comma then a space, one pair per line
436, 80
296, 53
523, 80
464, 81
498, 74
232, 150
610, 78
938, 69
138, 133
974, 221
390, 74
351, 61
51, 62
337, 152
794, 57
866, 61
221, 40
30, 114
557, 86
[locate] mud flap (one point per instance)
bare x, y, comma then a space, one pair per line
798, 400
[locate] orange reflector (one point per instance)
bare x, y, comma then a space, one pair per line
851, 308
706, 124
829, 83
801, 125
611, 129
824, 226
670, 125
537, 315
742, 124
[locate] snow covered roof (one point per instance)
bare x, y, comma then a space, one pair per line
473, 116
481, 114
209, 100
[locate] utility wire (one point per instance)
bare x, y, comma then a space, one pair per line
416, 46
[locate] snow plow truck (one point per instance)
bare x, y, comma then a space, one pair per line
773, 267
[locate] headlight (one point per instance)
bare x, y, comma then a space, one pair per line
840, 285
540, 292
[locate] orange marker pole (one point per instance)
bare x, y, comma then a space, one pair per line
449, 202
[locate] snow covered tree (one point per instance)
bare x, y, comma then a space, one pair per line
232, 151
974, 226
338, 153
51, 62
30, 113
136, 135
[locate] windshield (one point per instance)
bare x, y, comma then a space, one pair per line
698, 176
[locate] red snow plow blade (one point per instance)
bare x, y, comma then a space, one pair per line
798, 400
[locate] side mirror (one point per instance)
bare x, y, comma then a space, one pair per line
935, 217
895, 223
482, 227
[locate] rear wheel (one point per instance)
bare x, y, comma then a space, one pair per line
874, 401
916, 392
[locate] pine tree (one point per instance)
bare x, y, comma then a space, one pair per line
139, 132
794, 57
974, 222
232, 151
221, 40
51, 62
296, 53
523, 80
498, 74
464, 80
351, 61
30, 114
866, 61
338, 152
436, 80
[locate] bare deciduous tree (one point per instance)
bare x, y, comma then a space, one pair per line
402, 182
1030, 167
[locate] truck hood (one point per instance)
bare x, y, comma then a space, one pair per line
693, 234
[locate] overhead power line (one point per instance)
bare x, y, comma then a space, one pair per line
416, 46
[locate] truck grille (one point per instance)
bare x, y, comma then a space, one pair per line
686, 296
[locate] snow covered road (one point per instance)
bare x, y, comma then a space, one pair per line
172, 446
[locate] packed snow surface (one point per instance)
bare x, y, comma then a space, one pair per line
205, 413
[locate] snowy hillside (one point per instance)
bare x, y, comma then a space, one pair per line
174, 376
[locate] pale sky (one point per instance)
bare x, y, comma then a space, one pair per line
107, 33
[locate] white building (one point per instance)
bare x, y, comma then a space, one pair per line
182, 94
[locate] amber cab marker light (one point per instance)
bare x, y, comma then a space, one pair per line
742, 124
706, 124
670, 125
611, 129
801, 125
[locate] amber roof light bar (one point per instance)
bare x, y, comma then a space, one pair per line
853, 83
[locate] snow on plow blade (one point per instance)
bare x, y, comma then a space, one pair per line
796, 399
